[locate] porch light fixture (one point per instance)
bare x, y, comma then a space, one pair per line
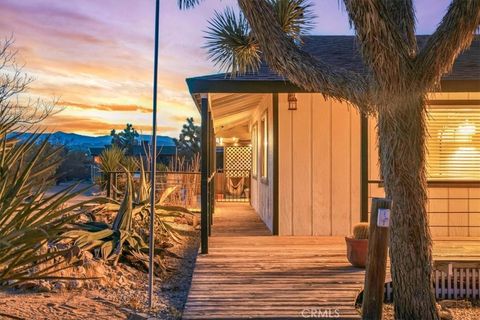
292, 102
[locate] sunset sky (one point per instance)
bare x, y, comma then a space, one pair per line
96, 56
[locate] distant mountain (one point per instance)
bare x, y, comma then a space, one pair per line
81, 142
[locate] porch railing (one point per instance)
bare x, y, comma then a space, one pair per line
453, 206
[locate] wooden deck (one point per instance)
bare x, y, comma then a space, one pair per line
251, 275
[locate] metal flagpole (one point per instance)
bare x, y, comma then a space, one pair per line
153, 164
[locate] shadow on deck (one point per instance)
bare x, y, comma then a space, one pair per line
250, 274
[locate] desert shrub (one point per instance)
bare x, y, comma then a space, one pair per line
74, 166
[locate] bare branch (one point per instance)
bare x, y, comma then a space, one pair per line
381, 44
286, 58
454, 34
14, 108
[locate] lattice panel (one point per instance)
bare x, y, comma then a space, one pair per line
238, 161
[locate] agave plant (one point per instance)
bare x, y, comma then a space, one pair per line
110, 241
30, 220
121, 239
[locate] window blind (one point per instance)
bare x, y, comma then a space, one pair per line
453, 143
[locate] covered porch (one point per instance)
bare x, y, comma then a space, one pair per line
236, 176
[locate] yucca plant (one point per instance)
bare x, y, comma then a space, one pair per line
110, 161
233, 47
30, 221
130, 163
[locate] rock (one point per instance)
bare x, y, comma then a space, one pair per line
60, 286
455, 304
44, 286
79, 271
138, 316
96, 268
87, 256
446, 315
75, 284
28, 285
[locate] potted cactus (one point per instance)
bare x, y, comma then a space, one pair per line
357, 245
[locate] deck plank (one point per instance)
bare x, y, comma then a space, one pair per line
250, 274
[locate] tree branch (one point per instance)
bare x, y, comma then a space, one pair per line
381, 44
454, 34
303, 70
402, 14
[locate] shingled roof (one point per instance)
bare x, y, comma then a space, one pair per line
339, 51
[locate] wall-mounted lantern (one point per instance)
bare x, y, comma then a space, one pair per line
292, 102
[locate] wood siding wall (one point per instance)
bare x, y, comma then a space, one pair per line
319, 167
262, 190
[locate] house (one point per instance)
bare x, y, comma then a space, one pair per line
165, 154
314, 164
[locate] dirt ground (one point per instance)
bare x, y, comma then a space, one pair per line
119, 295
451, 309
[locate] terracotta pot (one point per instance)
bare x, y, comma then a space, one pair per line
357, 251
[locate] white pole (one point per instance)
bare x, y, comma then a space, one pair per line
153, 164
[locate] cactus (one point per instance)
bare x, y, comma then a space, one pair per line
360, 231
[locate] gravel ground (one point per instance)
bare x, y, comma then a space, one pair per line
120, 294
451, 309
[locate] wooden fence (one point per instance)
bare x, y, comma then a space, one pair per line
187, 193
453, 284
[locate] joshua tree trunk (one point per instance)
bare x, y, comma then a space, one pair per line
402, 132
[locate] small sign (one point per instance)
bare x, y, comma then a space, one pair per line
383, 218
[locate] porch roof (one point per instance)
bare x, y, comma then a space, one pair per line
231, 113
339, 51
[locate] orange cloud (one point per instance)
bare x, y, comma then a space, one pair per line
106, 107
91, 126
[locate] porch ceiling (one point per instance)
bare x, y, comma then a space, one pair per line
231, 113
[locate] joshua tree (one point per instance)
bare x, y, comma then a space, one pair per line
188, 142
394, 91
125, 139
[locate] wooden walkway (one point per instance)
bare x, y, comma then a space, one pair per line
251, 275
248, 274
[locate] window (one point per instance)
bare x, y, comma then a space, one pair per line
254, 150
264, 146
453, 143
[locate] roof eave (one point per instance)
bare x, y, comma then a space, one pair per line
200, 85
